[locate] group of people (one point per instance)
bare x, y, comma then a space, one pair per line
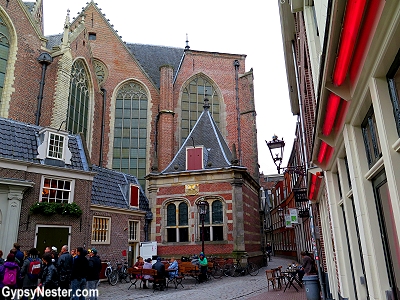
52, 270
172, 269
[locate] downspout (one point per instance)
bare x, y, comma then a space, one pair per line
103, 115
237, 64
44, 59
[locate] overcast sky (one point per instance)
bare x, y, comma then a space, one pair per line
231, 26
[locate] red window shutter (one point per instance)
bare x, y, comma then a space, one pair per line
134, 196
194, 158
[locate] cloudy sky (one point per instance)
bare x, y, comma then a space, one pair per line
239, 27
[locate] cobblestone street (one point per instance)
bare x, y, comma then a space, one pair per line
226, 288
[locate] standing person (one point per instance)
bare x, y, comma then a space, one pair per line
93, 273
30, 271
80, 267
307, 265
19, 255
203, 267
1, 258
159, 266
49, 277
11, 271
64, 268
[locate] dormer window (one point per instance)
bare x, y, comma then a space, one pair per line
55, 146
134, 193
195, 157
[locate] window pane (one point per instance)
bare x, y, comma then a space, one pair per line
171, 215
171, 235
206, 233
184, 234
218, 233
183, 214
217, 216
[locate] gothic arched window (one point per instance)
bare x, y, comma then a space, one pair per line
78, 103
192, 103
4, 51
130, 130
213, 222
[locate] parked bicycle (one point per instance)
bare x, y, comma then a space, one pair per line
214, 268
122, 271
111, 274
249, 268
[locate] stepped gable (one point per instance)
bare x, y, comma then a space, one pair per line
111, 188
152, 57
19, 141
204, 133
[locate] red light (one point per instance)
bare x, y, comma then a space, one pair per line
322, 150
331, 111
328, 155
352, 21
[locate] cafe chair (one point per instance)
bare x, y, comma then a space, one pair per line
270, 278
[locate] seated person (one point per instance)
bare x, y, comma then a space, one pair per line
160, 268
195, 260
139, 264
173, 265
147, 265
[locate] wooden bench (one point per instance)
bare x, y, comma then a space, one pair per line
138, 274
187, 269
134, 276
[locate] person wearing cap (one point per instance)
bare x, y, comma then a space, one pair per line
93, 275
64, 268
203, 267
147, 265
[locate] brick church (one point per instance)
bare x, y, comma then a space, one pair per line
179, 123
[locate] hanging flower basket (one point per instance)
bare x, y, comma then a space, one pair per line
51, 208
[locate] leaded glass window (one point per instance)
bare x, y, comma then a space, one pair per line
177, 232
78, 104
171, 215
213, 228
130, 131
371, 138
192, 103
4, 51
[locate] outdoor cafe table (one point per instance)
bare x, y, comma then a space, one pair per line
292, 275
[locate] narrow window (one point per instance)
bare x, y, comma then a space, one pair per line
55, 146
393, 78
371, 138
101, 230
4, 51
133, 231
92, 36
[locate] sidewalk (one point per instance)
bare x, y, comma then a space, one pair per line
290, 294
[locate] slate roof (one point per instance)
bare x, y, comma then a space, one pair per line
29, 5
204, 133
111, 188
53, 40
20, 141
152, 57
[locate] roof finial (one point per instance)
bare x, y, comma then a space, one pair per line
187, 42
206, 104
65, 37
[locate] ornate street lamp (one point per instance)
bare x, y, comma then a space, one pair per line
202, 207
276, 147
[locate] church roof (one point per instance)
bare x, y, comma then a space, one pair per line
207, 134
111, 188
152, 57
20, 141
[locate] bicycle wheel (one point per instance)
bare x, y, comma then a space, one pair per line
237, 270
229, 270
113, 277
217, 272
252, 269
107, 272
124, 274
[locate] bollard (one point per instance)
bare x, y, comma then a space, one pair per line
311, 285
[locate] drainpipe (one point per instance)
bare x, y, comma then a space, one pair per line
44, 59
103, 115
237, 64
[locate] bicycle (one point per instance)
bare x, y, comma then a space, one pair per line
122, 271
250, 268
111, 274
215, 269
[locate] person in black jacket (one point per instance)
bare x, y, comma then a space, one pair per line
49, 277
64, 267
80, 267
159, 266
93, 275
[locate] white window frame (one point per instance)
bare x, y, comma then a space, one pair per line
71, 191
136, 235
60, 151
107, 239
177, 226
